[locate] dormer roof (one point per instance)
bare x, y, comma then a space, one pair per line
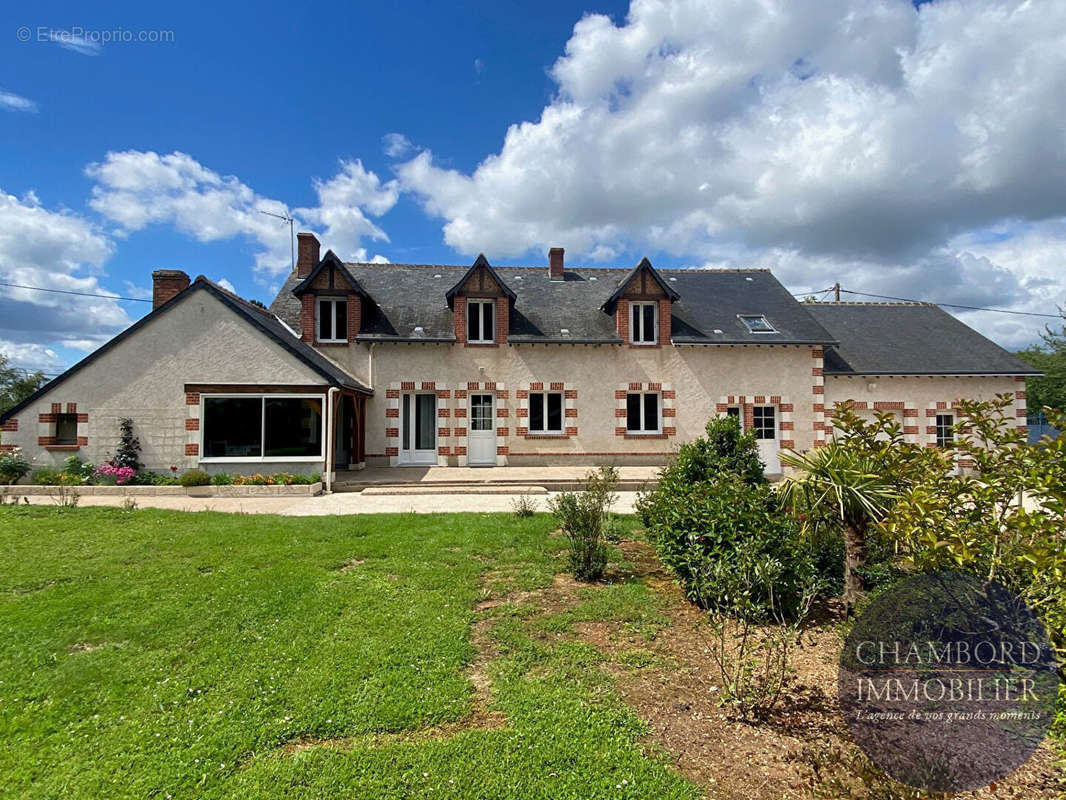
480, 263
644, 267
335, 269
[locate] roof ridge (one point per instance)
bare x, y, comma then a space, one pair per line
246, 303
545, 267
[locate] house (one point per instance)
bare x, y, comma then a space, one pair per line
396, 364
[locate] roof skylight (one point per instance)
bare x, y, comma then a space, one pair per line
757, 323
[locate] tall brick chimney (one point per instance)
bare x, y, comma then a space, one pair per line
166, 283
307, 253
555, 263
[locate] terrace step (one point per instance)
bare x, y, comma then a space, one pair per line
436, 488
493, 486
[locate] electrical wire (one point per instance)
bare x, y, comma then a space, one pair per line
79, 294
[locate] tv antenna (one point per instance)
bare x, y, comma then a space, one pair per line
292, 232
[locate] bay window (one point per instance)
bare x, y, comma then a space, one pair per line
262, 428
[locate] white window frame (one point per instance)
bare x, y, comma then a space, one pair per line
546, 431
332, 319
945, 434
756, 427
633, 328
478, 302
262, 432
744, 320
644, 429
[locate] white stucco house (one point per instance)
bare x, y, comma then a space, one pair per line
396, 364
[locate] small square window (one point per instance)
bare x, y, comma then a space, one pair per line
332, 319
757, 323
545, 412
642, 412
66, 429
763, 422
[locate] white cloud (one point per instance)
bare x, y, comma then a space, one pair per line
9, 101
850, 139
75, 42
136, 189
396, 145
225, 284
33, 357
53, 250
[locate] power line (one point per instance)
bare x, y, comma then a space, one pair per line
79, 294
823, 292
955, 305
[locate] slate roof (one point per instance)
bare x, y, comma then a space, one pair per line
263, 320
908, 339
406, 296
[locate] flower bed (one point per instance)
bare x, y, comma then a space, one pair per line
277, 490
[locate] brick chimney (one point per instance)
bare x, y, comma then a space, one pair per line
167, 283
555, 263
307, 253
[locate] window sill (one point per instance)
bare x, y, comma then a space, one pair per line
648, 435
480, 344
643, 344
333, 342
550, 435
62, 447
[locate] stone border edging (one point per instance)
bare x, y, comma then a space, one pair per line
301, 490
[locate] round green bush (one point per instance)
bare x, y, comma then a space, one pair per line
194, 477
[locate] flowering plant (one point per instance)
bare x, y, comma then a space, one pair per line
13, 465
109, 472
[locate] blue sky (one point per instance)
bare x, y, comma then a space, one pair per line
436, 131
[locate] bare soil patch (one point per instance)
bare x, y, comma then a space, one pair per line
676, 693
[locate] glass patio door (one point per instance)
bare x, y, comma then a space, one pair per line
418, 423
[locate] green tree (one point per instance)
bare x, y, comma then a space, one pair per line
1050, 358
16, 384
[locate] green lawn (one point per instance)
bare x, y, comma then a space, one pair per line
166, 654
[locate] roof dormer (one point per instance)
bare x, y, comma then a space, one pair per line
643, 307
481, 306
331, 303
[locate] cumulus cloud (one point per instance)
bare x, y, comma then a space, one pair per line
54, 250
9, 101
855, 139
135, 189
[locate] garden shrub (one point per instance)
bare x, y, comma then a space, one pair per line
194, 477
584, 519
149, 478
112, 474
13, 465
50, 476
221, 479
80, 471
128, 453
716, 521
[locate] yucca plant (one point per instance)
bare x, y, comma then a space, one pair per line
835, 479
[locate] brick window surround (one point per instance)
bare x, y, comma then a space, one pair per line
569, 409
667, 409
48, 423
746, 404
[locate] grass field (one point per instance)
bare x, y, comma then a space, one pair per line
165, 654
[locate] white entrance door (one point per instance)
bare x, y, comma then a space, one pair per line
481, 437
764, 423
418, 424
